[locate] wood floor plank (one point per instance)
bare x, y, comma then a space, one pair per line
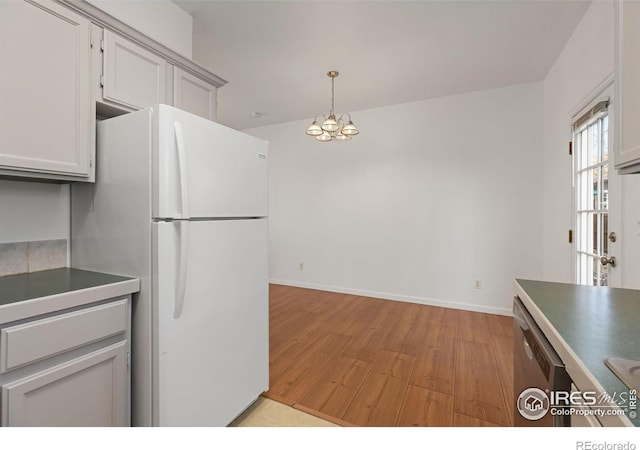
477, 390
280, 363
435, 366
305, 370
366, 346
298, 347
401, 337
369, 343
461, 420
365, 316
335, 390
348, 321
445, 317
319, 302
378, 401
282, 299
502, 325
503, 351
284, 330
472, 327
424, 408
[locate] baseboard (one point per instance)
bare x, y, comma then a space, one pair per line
397, 297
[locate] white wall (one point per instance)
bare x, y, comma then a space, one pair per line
431, 196
33, 211
586, 61
161, 20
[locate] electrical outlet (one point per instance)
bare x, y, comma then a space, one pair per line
477, 284
301, 266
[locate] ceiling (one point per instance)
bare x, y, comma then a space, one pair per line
275, 54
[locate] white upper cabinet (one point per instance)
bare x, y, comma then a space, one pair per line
194, 95
46, 114
133, 76
627, 56
63, 61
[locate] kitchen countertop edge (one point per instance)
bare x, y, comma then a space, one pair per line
577, 370
56, 302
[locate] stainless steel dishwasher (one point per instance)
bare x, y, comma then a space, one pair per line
538, 372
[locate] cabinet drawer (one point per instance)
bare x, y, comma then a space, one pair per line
29, 342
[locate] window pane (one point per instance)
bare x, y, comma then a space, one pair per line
594, 144
585, 190
593, 233
595, 183
605, 187
584, 153
605, 138
604, 224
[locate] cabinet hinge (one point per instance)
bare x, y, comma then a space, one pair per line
570, 236
128, 359
101, 80
571, 147
102, 45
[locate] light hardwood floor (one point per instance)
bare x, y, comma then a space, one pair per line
368, 362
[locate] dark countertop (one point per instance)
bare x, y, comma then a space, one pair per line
585, 325
35, 293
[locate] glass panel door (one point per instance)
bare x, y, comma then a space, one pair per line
592, 200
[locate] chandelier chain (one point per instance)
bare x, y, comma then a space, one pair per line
332, 95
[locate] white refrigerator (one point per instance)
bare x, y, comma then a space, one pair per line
181, 203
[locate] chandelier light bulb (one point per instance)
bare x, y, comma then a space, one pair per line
324, 137
350, 129
314, 129
330, 124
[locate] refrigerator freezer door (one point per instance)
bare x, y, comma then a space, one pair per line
205, 170
212, 357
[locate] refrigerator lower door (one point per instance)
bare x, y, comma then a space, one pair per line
211, 349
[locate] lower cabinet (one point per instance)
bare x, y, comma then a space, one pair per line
67, 368
86, 391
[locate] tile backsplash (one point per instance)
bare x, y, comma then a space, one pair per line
22, 257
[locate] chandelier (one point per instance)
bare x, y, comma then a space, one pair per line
332, 128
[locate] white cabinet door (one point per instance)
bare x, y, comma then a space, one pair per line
86, 391
627, 157
45, 101
193, 94
133, 76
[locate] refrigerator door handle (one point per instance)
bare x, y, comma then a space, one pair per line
181, 284
182, 163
